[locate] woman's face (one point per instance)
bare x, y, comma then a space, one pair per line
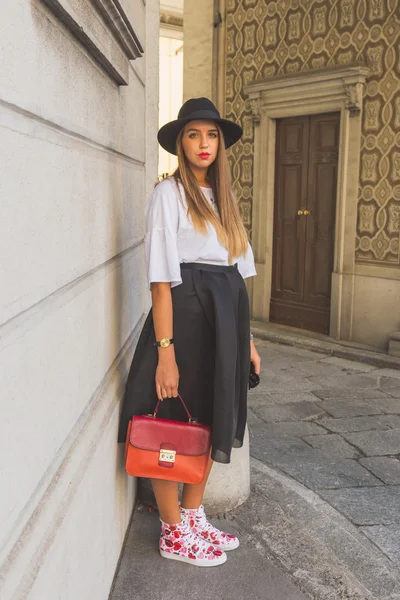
200, 142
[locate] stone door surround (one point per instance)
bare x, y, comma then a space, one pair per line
334, 89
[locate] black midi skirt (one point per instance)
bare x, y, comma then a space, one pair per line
211, 324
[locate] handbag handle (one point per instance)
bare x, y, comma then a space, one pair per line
190, 418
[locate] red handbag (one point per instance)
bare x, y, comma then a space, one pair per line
163, 449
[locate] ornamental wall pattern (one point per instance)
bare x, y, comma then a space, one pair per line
265, 39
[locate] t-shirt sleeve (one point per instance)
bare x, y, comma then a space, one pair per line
162, 222
246, 266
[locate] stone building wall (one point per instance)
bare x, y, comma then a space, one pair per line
266, 38
78, 150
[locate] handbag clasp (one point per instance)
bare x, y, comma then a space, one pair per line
167, 456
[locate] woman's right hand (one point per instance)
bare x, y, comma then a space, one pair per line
167, 375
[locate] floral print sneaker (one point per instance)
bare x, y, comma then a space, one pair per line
197, 520
178, 542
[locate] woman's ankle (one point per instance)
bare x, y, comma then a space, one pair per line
170, 518
190, 506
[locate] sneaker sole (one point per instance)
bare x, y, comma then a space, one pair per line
198, 562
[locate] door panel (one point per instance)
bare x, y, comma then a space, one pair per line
321, 202
289, 247
306, 180
288, 226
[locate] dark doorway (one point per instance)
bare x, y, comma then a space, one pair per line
304, 220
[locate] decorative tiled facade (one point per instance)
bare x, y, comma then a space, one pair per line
265, 39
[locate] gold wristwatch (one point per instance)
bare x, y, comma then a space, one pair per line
164, 343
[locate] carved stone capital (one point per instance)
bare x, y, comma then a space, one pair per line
354, 97
255, 107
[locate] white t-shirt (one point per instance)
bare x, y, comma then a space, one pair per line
171, 238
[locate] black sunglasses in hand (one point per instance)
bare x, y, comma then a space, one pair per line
254, 379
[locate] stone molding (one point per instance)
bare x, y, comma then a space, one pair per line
105, 32
172, 21
119, 24
320, 88
336, 89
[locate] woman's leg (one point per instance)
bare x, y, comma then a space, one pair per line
177, 540
193, 514
166, 493
192, 496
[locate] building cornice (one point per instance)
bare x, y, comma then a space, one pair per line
113, 51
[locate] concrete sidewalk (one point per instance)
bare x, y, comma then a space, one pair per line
247, 575
323, 519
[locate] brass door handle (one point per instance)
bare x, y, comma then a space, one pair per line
300, 212
306, 213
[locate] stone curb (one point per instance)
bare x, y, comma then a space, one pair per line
369, 357
346, 564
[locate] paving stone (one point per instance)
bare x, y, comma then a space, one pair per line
350, 365
393, 373
285, 381
346, 380
333, 445
388, 383
316, 471
376, 443
354, 423
298, 411
387, 405
385, 468
387, 538
392, 421
291, 429
367, 505
340, 393
309, 466
299, 353
345, 408
270, 449
282, 397
313, 368
394, 392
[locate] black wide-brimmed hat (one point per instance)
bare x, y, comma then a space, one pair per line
193, 110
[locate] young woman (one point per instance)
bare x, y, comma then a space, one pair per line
197, 335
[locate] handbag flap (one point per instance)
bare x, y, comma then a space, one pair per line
149, 433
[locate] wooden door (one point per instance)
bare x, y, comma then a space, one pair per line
304, 220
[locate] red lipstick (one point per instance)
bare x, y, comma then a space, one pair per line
204, 155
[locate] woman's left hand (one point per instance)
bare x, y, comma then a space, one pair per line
255, 357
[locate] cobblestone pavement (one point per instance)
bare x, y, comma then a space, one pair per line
333, 425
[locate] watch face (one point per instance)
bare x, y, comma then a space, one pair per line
164, 343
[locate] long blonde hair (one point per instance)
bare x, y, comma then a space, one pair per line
229, 227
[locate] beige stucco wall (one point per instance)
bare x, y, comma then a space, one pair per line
198, 37
79, 156
376, 310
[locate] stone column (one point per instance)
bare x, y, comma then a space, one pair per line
198, 40
229, 485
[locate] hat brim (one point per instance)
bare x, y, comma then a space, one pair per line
168, 134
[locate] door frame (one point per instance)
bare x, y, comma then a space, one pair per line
334, 89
